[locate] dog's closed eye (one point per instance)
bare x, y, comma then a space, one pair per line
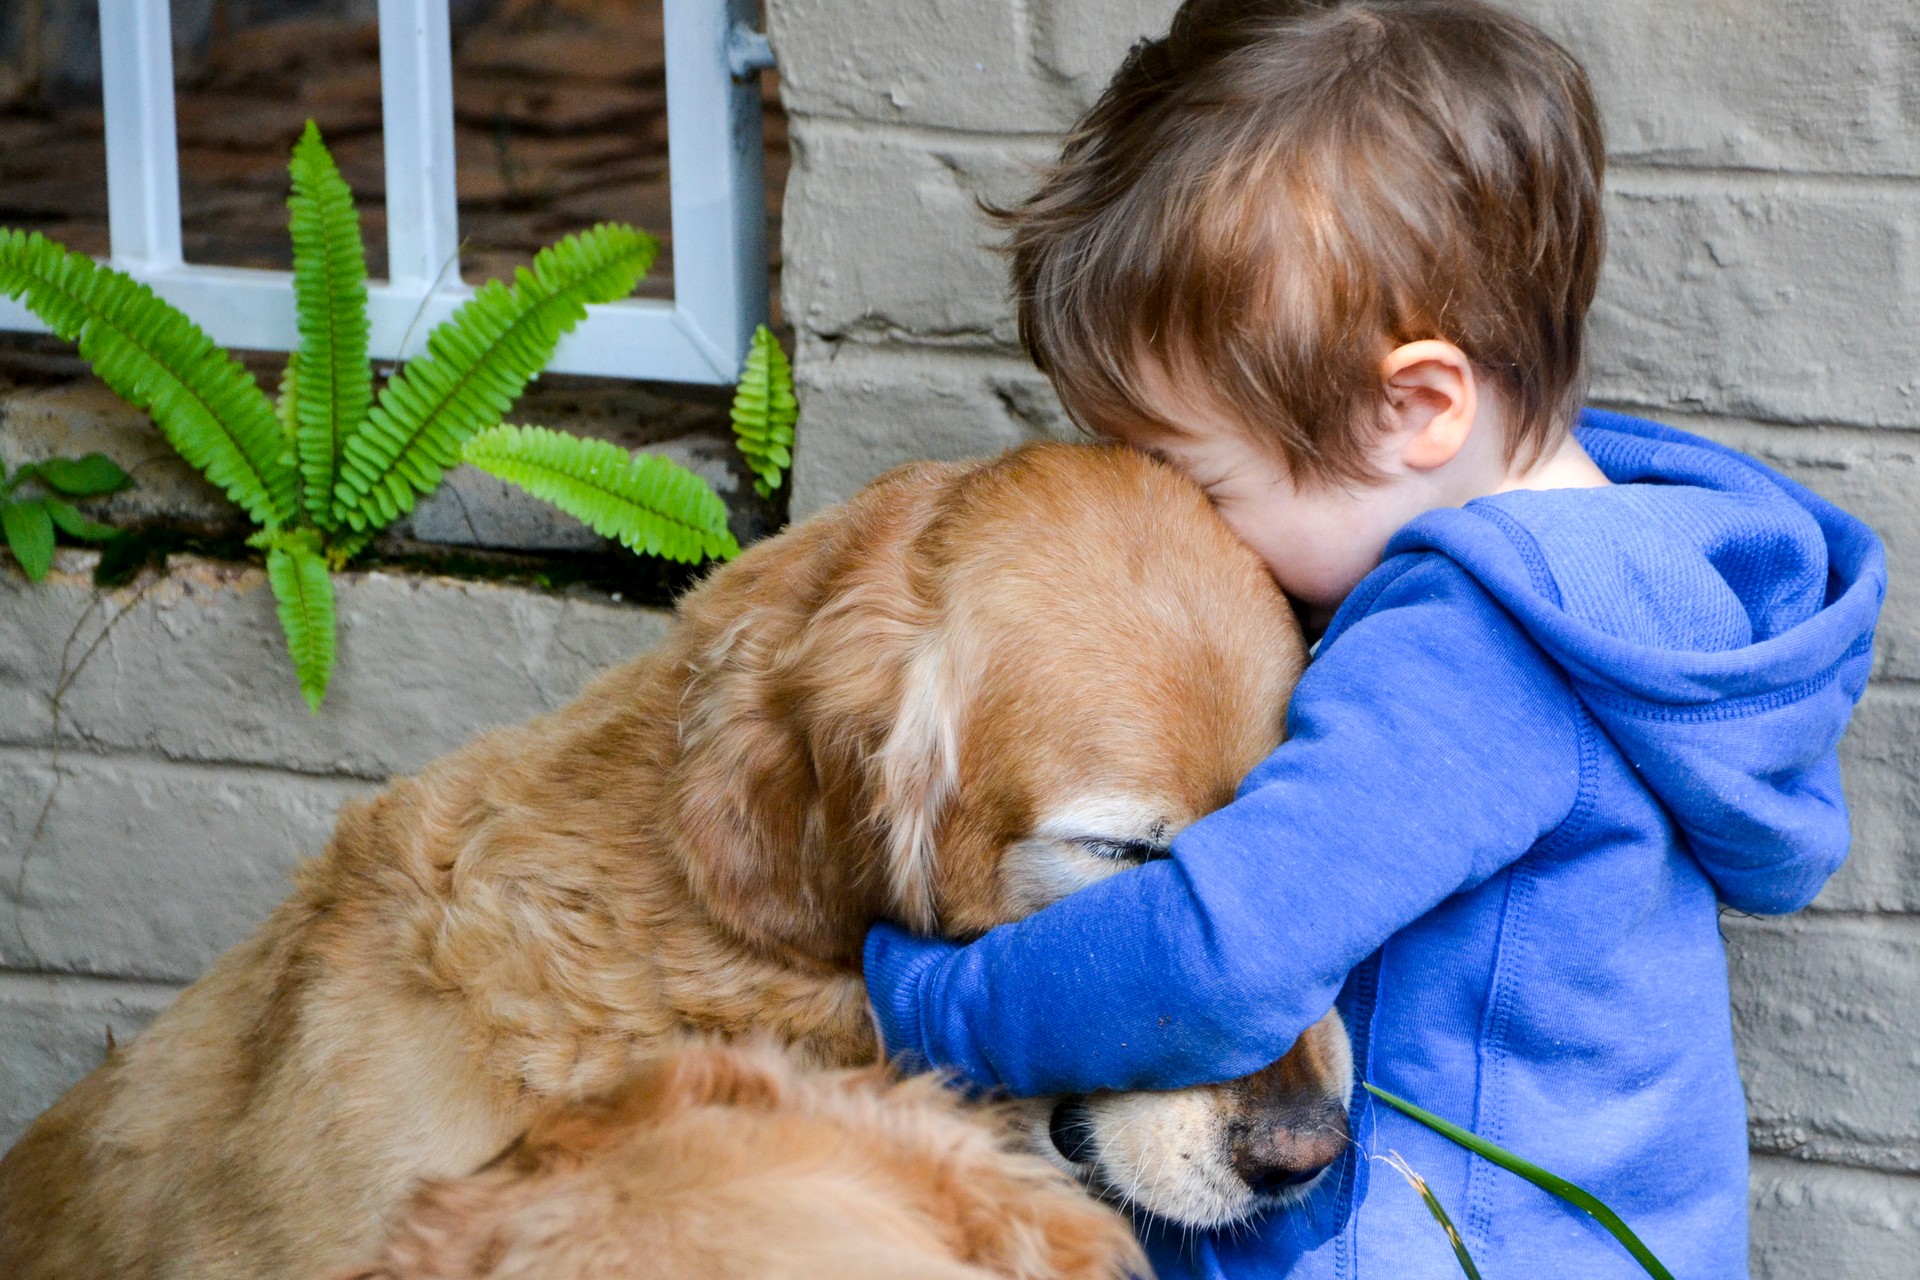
1122, 850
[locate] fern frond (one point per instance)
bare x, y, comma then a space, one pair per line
477, 363
646, 502
330, 296
148, 351
764, 411
303, 593
286, 402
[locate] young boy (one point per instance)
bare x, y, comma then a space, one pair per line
1333, 260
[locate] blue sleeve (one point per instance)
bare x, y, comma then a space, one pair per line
1430, 744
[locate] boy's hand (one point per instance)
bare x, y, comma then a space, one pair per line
896, 964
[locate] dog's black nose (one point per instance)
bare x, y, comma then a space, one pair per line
1286, 1152
1071, 1128
1273, 1181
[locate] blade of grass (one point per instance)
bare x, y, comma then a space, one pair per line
1578, 1197
1393, 1160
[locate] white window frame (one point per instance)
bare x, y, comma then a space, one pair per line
717, 190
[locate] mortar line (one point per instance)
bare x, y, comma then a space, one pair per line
1759, 1155
34, 752
1908, 434
935, 135
1626, 404
16, 981
1831, 182
1843, 915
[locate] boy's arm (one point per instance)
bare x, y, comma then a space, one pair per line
1430, 744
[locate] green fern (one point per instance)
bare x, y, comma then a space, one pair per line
477, 363
303, 594
646, 502
325, 465
764, 411
330, 295
148, 351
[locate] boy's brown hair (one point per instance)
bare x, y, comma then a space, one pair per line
1263, 196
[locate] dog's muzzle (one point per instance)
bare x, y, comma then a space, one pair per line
1272, 1154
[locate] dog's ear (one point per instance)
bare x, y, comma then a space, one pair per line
817, 734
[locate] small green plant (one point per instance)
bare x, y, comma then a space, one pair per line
29, 521
336, 459
1576, 1196
764, 410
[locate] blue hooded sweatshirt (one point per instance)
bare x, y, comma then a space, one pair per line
1539, 745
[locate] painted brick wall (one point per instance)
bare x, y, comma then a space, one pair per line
1763, 287
160, 776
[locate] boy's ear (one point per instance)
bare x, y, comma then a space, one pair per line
1432, 400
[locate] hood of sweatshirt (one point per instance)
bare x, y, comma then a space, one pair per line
1715, 618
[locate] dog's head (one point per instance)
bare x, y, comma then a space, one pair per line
973, 691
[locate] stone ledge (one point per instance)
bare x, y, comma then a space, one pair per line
1827, 1019
50, 404
194, 666
1815, 1220
53, 1030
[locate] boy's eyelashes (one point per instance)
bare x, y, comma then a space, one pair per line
1122, 850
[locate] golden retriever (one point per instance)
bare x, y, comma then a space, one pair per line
967, 692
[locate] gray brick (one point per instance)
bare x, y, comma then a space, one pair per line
138, 868
1083, 43
1814, 1220
1779, 299
194, 666
1827, 1016
885, 239
1007, 66
53, 1030
867, 410
1873, 474
1877, 758
84, 417
1765, 84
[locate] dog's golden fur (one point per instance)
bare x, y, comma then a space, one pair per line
697, 843
731, 1164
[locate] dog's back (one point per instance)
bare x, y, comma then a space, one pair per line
729, 1163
